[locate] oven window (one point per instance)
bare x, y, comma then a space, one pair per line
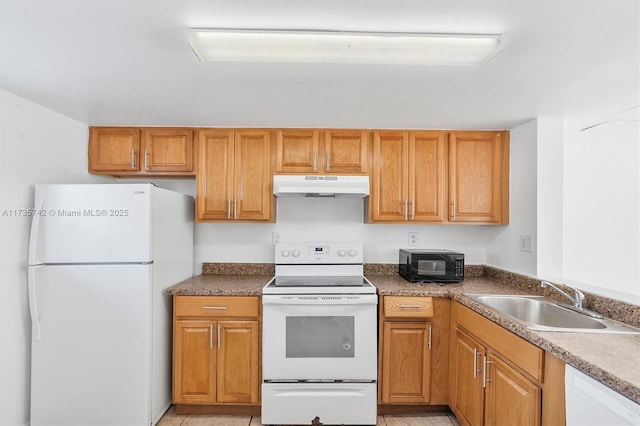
432, 267
320, 337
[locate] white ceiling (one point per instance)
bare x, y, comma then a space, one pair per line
127, 62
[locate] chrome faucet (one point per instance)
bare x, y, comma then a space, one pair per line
577, 300
578, 297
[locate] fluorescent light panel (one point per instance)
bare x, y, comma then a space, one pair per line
343, 47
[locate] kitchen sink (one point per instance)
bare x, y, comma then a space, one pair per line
540, 313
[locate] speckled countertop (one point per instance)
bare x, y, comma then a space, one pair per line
613, 359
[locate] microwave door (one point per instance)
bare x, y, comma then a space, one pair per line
432, 267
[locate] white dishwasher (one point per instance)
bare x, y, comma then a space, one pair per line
590, 403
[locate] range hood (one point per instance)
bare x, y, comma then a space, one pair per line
321, 185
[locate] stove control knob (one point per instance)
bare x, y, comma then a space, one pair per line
295, 253
352, 253
342, 253
285, 253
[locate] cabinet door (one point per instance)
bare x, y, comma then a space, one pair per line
345, 151
467, 395
511, 399
238, 363
114, 149
168, 150
214, 196
427, 176
478, 177
297, 151
253, 182
406, 362
388, 200
194, 362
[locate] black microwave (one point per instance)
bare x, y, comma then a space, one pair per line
438, 266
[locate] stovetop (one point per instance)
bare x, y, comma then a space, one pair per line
319, 268
356, 284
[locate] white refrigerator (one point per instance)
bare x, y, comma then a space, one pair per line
100, 257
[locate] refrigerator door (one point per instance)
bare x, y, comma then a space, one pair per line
91, 362
108, 223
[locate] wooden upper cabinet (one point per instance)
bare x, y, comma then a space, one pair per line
114, 149
168, 150
345, 152
253, 178
388, 196
313, 151
427, 176
214, 180
234, 180
479, 177
408, 177
297, 151
131, 151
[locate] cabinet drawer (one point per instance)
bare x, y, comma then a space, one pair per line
408, 307
217, 306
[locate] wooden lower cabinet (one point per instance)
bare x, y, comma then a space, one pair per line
216, 360
406, 362
467, 386
510, 398
498, 378
414, 349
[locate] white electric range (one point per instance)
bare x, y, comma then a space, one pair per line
319, 339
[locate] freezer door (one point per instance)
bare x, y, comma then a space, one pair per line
91, 224
91, 362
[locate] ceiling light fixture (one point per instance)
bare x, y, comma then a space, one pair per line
343, 47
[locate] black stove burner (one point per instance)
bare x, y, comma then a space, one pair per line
319, 281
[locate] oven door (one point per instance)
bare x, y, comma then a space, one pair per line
319, 337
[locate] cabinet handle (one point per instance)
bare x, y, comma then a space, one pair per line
146, 159
219, 308
133, 158
429, 341
475, 362
315, 161
413, 209
409, 306
406, 210
210, 336
228, 208
484, 372
328, 159
453, 210
235, 210
218, 336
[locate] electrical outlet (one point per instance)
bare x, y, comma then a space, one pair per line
413, 239
525, 243
275, 238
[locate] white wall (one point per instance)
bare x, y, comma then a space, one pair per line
340, 219
601, 221
504, 251
589, 184
550, 199
328, 219
38, 146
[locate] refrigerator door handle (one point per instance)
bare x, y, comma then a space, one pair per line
33, 304
35, 228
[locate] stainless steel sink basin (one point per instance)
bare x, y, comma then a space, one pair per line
540, 313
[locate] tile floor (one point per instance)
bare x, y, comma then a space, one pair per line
424, 419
